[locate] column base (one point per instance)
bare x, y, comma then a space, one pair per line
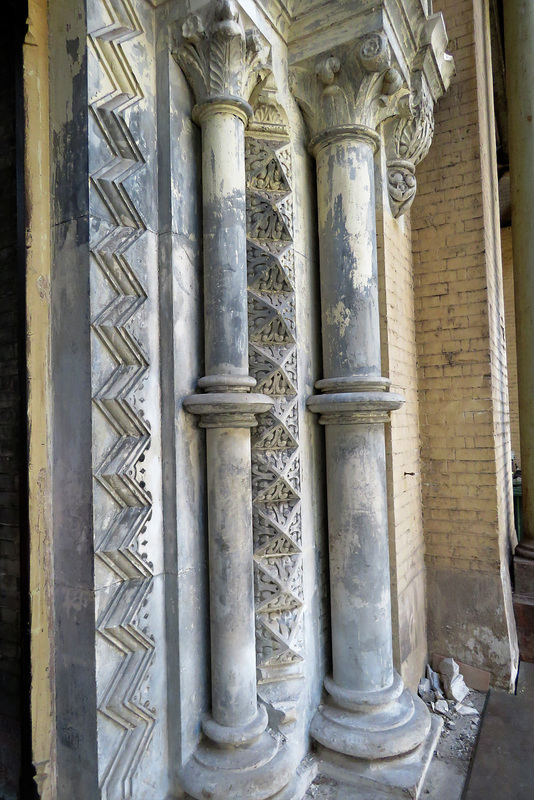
524, 599
523, 575
525, 549
343, 777
257, 771
371, 725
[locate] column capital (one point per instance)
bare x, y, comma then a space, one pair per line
220, 59
369, 85
355, 85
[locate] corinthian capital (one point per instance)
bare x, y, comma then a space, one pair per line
219, 58
354, 84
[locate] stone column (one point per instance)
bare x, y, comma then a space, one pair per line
368, 713
369, 723
239, 757
519, 30
353, 407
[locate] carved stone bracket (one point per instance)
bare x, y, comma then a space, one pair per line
402, 185
407, 141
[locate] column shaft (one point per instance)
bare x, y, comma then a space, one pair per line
368, 714
233, 652
347, 242
240, 758
357, 503
225, 246
519, 33
359, 557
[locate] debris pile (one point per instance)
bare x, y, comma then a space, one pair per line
441, 691
453, 682
446, 693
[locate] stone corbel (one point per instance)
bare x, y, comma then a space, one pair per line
408, 137
407, 140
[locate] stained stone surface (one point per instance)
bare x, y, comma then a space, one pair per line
148, 311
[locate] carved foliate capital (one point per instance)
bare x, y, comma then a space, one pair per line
356, 84
377, 82
219, 58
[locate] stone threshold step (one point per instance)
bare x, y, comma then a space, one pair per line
502, 767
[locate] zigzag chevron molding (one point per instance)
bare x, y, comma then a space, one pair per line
122, 438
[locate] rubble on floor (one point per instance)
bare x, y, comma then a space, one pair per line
460, 707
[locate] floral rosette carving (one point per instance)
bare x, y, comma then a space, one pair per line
402, 186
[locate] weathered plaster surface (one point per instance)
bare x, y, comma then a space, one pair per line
468, 617
36, 176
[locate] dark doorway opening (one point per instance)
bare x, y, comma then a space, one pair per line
16, 771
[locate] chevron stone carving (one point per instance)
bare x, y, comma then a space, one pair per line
125, 645
273, 362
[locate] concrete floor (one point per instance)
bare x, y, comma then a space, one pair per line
447, 772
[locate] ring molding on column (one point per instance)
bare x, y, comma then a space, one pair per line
228, 409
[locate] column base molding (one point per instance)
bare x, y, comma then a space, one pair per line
390, 725
524, 599
343, 777
258, 771
242, 734
525, 550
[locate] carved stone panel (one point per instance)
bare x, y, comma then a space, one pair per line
273, 362
125, 389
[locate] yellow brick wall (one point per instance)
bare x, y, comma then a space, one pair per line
509, 312
461, 361
402, 443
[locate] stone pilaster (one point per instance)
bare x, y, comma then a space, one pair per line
239, 757
519, 28
369, 727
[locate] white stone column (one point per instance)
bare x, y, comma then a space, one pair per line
369, 726
368, 713
361, 621
239, 757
